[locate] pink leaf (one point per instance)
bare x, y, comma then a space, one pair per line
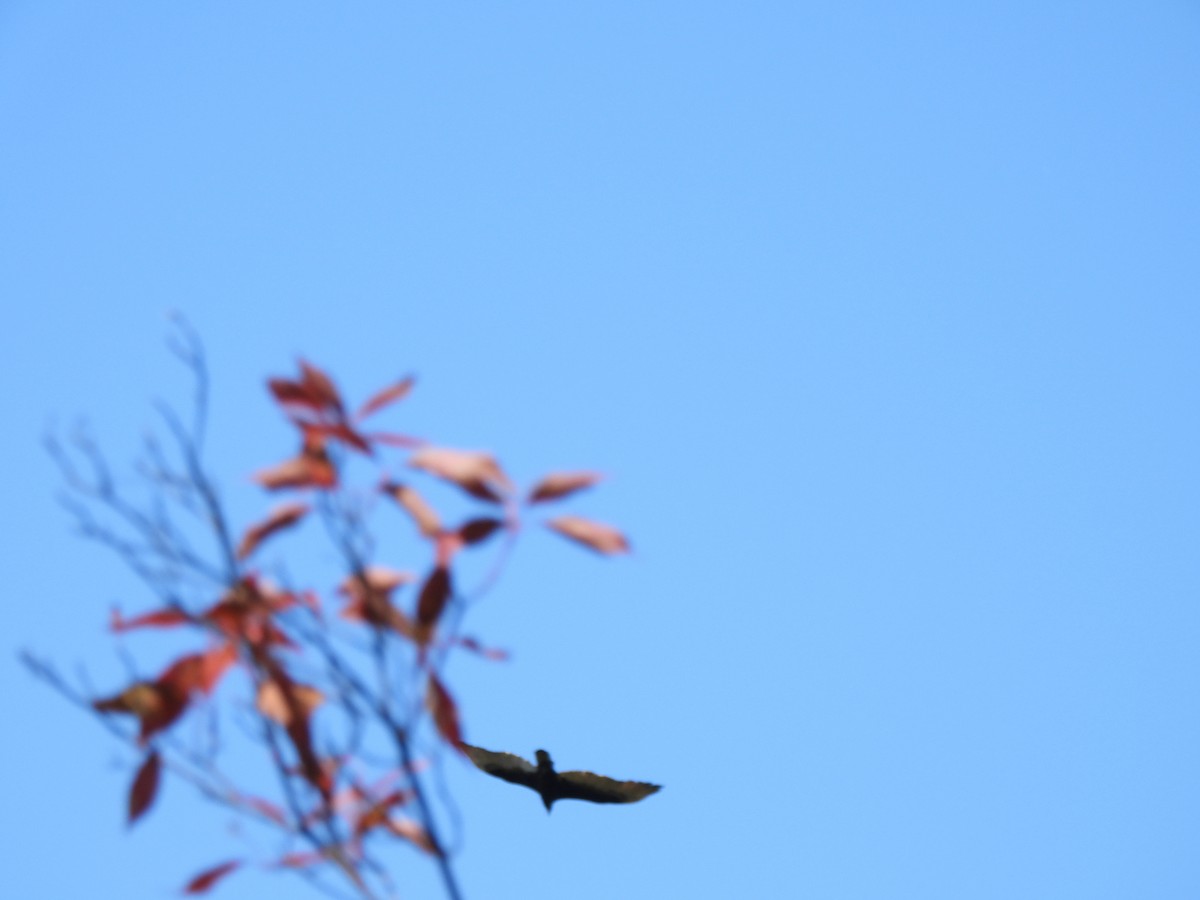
278, 701
476, 473
593, 535
414, 504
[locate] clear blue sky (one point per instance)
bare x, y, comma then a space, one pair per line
881, 317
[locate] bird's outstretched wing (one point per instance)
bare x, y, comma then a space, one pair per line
599, 789
508, 766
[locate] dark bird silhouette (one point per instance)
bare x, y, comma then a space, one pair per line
553, 785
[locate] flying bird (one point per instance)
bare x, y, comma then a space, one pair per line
553, 785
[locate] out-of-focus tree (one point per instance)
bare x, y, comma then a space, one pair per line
339, 685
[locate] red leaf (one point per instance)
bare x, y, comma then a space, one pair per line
601, 538
206, 879
374, 606
294, 393
320, 386
388, 395
145, 787
246, 610
314, 391
422, 513
282, 517
561, 484
160, 618
476, 473
237, 621
434, 594
478, 530
444, 711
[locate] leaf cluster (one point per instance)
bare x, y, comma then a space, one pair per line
341, 686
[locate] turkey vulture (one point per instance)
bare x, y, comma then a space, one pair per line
553, 785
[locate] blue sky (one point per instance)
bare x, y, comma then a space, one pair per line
881, 320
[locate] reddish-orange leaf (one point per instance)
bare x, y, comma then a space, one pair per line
478, 530
198, 672
251, 622
593, 535
305, 471
561, 484
160, 618
155, 705
145, 786
493, 653
414, 504
378, 813
282, 517
294, 393
388, 395
476, 473
206, 879
434, 594
173, 707
339, 431
411, 831
444, 711
314, 391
